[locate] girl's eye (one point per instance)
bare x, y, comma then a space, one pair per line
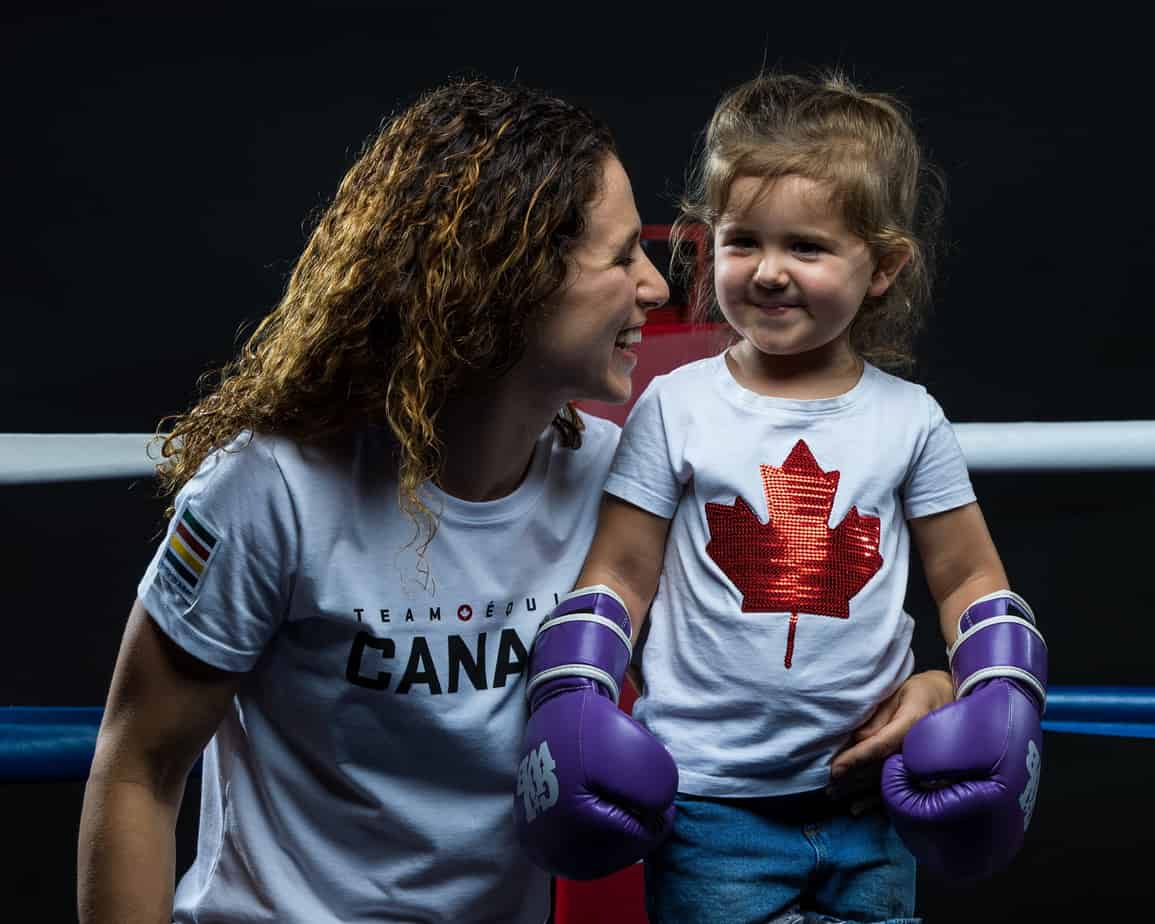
808, 248
625, 260
745, 243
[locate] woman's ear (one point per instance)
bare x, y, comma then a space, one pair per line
889, 265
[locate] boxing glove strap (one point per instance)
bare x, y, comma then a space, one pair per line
997, 603
995, 641
586, 635
575, 670
594, 599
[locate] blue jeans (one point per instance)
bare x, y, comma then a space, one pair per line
798, 859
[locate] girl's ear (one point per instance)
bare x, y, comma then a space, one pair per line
889, 265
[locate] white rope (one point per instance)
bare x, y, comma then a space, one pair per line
28, 458
1076, 445
1094, 445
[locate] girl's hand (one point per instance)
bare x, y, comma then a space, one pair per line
855, 769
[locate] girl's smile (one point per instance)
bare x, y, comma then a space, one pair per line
791, 277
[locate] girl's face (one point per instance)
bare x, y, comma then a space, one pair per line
583, 348
789, 275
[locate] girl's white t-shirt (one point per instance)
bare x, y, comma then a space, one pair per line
778, 623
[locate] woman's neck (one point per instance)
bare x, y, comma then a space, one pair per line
489, 430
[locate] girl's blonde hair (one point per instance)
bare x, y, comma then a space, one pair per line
862, 147
442, 244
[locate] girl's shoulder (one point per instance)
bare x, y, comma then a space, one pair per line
891, 387
599, 431
894, 382
696, 368
600, 439
899, 394
687, 376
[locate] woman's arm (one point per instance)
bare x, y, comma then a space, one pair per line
626, 556
163, 707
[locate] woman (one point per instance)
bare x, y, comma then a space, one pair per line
375, 506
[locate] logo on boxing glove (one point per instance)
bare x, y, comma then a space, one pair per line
1031, 790
536, 782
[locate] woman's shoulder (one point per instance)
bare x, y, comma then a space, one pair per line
259, 452
259, 457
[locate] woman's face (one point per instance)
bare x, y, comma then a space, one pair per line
584, 347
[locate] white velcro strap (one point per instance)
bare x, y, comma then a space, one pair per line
1010, 673
592, 589
999, 670
592, 647
986, 624
575, 670
1006, 595
589, 617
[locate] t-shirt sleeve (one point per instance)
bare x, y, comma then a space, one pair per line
939, 479
643, 471
220, 581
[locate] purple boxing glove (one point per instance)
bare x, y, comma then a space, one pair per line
962, 790
595, 790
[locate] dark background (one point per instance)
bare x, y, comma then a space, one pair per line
159, 173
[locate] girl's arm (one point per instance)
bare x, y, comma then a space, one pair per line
595, 790
163, 706
960, 562
626, 556
961, 565
962, 793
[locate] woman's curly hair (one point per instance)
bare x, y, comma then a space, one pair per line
443, 241
863, 147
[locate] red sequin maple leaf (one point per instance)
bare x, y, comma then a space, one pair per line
795, 563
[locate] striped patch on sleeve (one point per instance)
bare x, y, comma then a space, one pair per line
190, 548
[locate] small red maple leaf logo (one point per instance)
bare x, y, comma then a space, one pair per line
794, 563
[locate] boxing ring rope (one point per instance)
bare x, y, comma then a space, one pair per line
1092, 445
43, 744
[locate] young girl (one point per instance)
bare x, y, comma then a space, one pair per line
760, 508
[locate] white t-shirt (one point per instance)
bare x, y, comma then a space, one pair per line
788, 543
365, 772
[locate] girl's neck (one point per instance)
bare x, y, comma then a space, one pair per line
827, 372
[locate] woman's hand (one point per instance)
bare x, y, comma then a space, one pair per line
855, 770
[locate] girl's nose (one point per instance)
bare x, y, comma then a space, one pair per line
770, 273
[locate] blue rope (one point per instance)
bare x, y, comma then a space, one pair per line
41, 744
